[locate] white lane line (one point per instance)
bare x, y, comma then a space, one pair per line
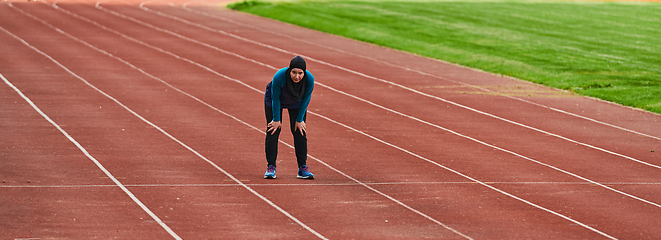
355, 180
185, 7
370, 77
384, 108
654, 184
233, 117
159, 129
82, 149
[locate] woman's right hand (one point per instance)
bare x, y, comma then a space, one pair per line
272, 127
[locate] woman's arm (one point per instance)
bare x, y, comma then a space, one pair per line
276, 89
307, 96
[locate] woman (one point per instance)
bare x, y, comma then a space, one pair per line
291, 88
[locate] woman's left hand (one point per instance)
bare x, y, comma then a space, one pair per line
301, 126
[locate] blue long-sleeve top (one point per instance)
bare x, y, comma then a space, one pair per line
277, 97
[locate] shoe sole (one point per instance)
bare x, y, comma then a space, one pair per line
308, 177
269, 177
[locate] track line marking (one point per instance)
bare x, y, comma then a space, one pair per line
82, 149
159, 129
387, 82
185, 7
365, 185
379, 106
327, 184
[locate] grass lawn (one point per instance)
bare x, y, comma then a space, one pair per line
608, 50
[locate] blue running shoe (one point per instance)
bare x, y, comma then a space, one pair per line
304, 173
270, 172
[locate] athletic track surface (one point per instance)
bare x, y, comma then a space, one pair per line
135, 120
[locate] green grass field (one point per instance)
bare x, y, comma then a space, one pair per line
608, 50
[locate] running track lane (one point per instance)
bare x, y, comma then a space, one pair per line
262, 64
41, 162
391, 228
115, 13
613, 140
260, 171
129, 161
422, 93
364, 185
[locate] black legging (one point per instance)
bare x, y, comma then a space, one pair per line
300, 141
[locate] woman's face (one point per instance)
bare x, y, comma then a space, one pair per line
297, 74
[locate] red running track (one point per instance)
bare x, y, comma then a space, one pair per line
122, 120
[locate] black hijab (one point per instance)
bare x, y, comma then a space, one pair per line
296, 90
